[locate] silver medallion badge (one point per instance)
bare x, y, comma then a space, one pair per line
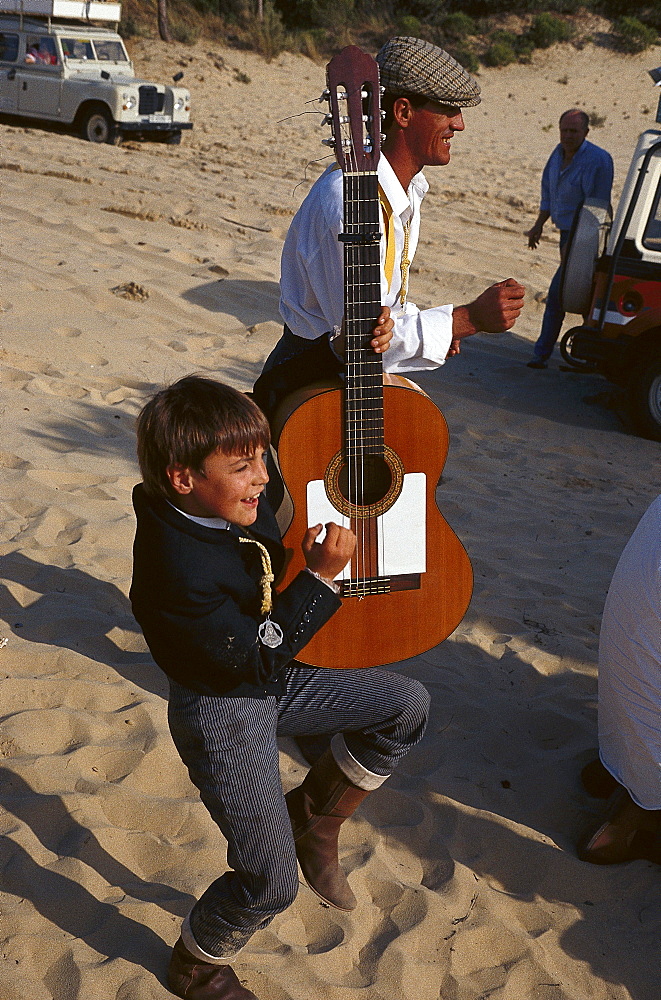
270, 634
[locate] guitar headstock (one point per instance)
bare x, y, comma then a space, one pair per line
352, 79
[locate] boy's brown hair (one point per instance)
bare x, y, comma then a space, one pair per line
184, 423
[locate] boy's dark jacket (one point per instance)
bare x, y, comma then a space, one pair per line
196, 595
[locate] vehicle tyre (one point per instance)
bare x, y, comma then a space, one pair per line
645, 399
565, 350
98, 126
173, 138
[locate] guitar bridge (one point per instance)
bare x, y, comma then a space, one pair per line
379, 585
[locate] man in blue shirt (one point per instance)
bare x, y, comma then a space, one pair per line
576, 170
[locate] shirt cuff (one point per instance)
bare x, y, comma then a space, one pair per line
335, 587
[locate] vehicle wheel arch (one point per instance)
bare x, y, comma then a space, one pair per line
85, 113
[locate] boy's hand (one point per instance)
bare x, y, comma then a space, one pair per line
329, 557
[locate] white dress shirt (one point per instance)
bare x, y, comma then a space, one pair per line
312, 272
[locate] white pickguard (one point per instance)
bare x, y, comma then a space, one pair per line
401, 530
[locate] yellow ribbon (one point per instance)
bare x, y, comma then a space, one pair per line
405, 263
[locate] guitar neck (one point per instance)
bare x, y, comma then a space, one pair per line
362, 305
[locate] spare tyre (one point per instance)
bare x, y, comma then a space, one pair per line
586, 242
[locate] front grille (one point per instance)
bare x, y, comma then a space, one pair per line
151, 101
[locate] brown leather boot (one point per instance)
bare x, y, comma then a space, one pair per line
192, 979
317, 809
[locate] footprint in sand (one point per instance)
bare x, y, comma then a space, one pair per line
67, 331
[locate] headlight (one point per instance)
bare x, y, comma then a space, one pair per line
178, 103
129, 101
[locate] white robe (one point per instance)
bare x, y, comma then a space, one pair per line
630, 666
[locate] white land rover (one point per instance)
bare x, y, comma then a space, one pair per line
58, 62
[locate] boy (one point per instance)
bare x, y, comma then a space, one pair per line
202, 594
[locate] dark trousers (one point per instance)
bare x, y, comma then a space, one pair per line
229, 747
553, 313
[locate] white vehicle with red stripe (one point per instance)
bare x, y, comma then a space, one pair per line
60, 62
612, 275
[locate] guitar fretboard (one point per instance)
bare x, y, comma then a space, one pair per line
362, 304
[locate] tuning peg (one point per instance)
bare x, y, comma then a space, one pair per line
326, 120
383, 137
324, 96
328, 142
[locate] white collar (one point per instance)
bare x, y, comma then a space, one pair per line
206, 522
399, 199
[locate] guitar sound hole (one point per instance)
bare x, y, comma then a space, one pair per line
366, 481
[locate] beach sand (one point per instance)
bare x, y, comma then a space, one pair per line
127, 267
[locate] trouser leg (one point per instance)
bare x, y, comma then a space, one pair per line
552, 321
229, 747
376, 716
553, 313
380, 715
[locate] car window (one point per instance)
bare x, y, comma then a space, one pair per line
8, 47
77, 48
652, 234
109, 50
40, 50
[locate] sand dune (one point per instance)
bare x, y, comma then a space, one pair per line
128, 266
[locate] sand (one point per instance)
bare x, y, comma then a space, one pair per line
128, 266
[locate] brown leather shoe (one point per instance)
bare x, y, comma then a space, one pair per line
628, 833
192, 979
317, 809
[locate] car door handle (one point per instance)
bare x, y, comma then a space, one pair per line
11, 75
25, 84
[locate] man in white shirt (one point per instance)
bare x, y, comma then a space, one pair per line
425, 89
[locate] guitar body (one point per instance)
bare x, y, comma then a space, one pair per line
379, 627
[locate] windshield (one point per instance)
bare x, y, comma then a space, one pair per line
109, 50
101, 49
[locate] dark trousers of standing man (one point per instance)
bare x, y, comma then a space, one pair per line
553, 313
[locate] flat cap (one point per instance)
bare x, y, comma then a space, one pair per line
414, 66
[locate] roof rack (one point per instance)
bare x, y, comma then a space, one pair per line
71, 10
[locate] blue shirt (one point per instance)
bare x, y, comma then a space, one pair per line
589, 175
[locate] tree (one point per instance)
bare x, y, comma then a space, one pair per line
163, 28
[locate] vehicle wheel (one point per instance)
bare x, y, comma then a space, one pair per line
98, 126
173, 138
645, 399
577, 363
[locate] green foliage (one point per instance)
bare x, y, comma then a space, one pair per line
301, 15
130, 28
500, 53
268, 36
632, 35
408, 24
458, 25
466, 56
184, 33
546, 29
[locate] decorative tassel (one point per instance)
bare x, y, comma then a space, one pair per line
267, 575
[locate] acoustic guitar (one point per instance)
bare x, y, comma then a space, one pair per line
369, 453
